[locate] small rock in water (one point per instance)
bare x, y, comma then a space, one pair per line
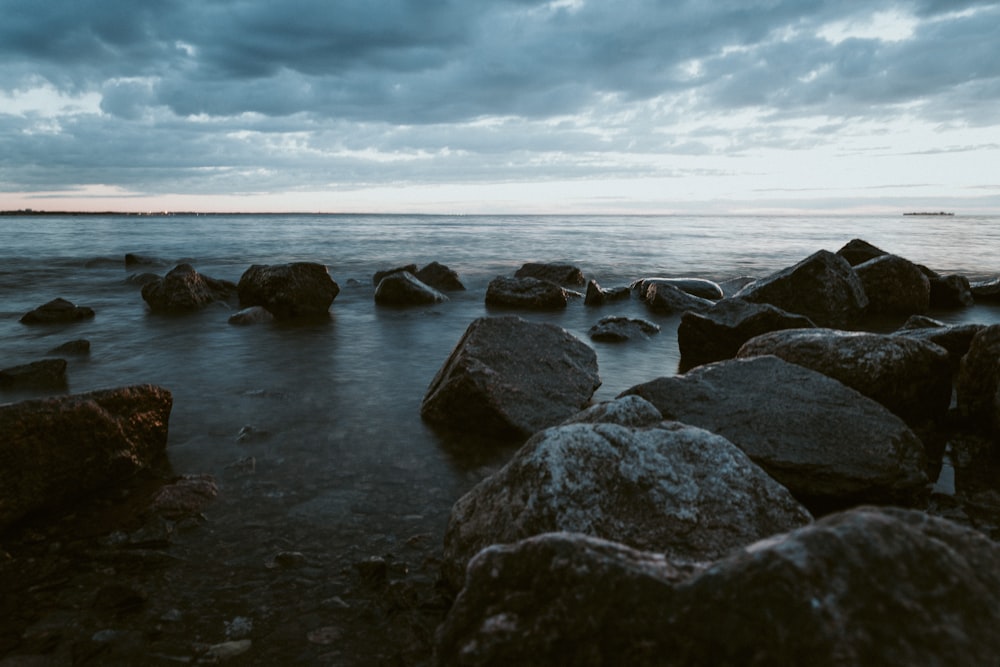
57, 311
81, 346
239, 628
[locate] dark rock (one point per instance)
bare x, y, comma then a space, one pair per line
951, 291
118, 599
184, 290
620, 329
44, 374
831, 446
184, 497
823, 287
894, 286
510, 377
132, 259
956, 339
978, 383
630, 411
440, 277
718, 333
986, 290
910, 377
401, 288
560, 274
55, 449
597, 296
251, 315
79, 347
733, 285
57, 311
665, 298
699, 287
141, 279
379, 275
671, 488
300, 289
529, 293
857, 251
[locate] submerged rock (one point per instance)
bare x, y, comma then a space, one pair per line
43, 374
80, 346
402, 288
529, 293
184, 290
251, 315
699, 287
300, 289
57, 311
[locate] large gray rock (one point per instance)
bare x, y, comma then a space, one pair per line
183, 290
509, 377
894, 286
55, 449
560, 274
57, 311
823, 287
831, 446
977, 386
402, 288
699, 287
910, 377
300, 289
867, 587
669, 488
719, 332
528, 293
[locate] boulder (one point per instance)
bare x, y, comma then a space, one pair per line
910, 377
598, 296
951, 291
300, 289
185, 290
699, 287
866, 587
956, 339
251, 315
977, 386
986, 290
630, 411
823, 287
619, 329
55, 449
44, 374
560, 274
379, 275
440, 277
895, 286
402, 288
718, 333
510, 378
529, 293
831, 446
669, 488
665, 298
80, 347
57, 311
858, 251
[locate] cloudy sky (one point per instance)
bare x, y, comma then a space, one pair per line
482, 106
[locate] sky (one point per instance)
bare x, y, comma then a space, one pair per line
501, 106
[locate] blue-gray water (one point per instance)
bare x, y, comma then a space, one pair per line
344, 467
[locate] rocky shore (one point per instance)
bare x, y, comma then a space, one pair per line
772, 503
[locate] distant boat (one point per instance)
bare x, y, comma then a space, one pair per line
929, 213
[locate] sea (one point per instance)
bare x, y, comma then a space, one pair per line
312, 431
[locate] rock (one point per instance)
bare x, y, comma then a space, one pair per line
895, 286
403, 289
956, 339
665, 298
251, 315
619, 329
867, 587
510, 377
978, 382
379, 275
910, 377
630, 411
671, 488
80, 347
699, 287
44, 374
823, 287
142, 279
733, 285
951, 291
831, 446
184, 497
857, 251
133, 259
440, 277
530, 293
300, 289
57, 311
560, 274
718, 333
597, 296
184, 290
55, 449
986, 290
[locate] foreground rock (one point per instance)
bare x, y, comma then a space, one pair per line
510, 378
866, 587
620, 329
823, 287
402, 288
184, 290
529, 293
43, 374
978, 384
719, 332
560, 274
57, 311
300, 289
894, 286
55, 449
831, 446
669, 488
910, 377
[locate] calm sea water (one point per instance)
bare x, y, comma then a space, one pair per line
342, 464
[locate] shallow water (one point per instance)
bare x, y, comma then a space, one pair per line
342, 466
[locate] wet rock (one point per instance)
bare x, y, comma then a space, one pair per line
402, 288
55, 449
251, 315
831, 446
719, 332
43, 374
76, 347
184, 290
978, 383
858, 251
699, 287
299, 289
894, 286
510, 377
142, 279
560, 274
184, 497
956, 339
440, 277
529, 293
630, 411
598, 296
57, 311
733, 285
134, 259
910, 377
986, 290
662, 297
823, 287
951, 291
669, 488
619, 329
379, 275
